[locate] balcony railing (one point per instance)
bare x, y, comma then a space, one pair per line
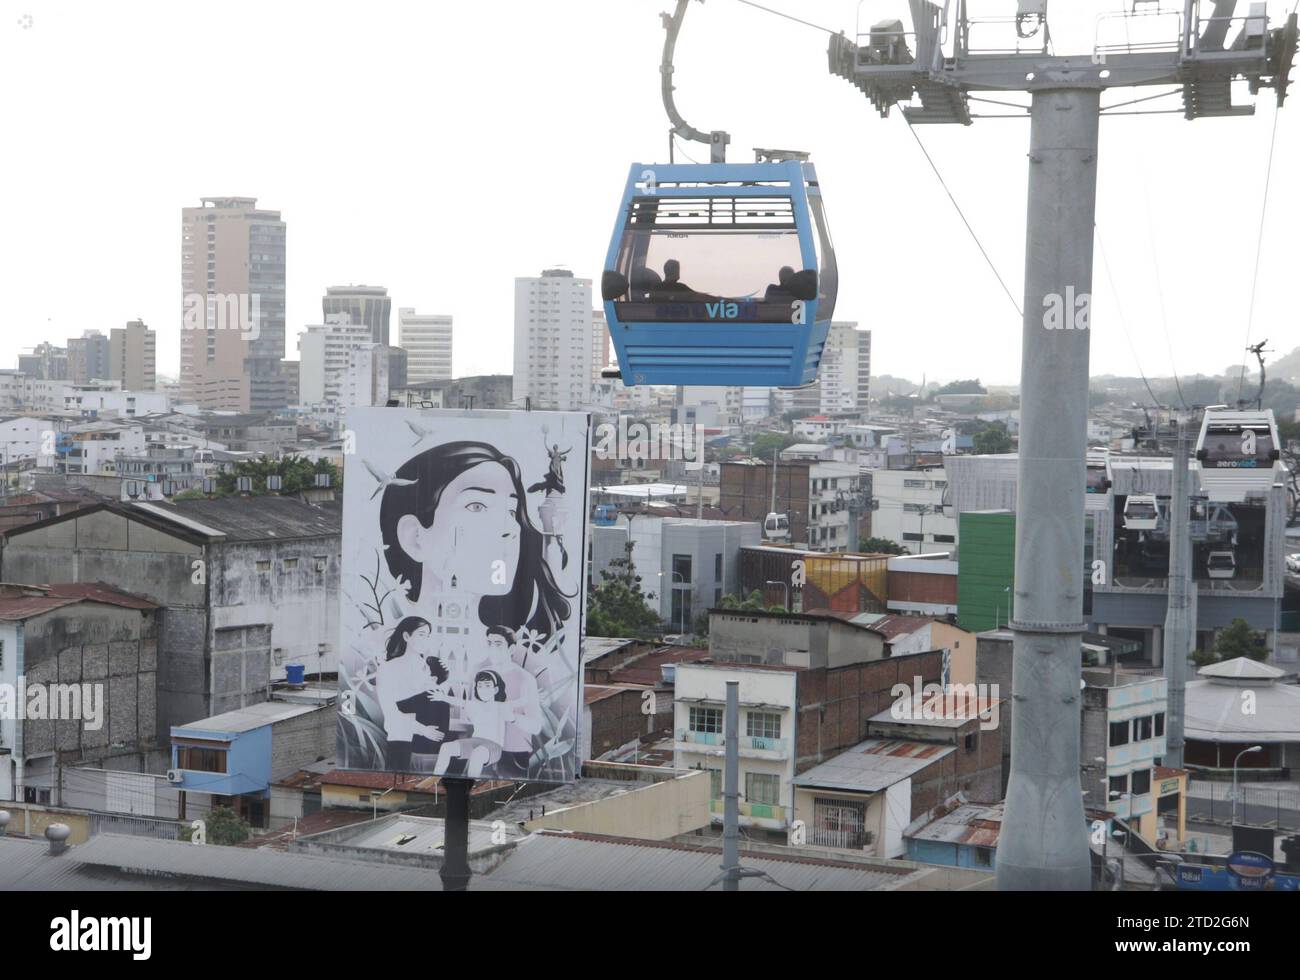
755, 811
744, 742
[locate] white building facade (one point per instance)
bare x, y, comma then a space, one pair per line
554, 354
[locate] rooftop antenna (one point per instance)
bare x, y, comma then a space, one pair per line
1044, 844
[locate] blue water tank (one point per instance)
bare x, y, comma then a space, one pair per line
293, 673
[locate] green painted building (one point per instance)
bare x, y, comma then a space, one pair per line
986, 569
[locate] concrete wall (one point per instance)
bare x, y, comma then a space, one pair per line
113, 649
648, 811
741, 637
300, 741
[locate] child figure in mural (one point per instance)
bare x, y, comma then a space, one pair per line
458, 535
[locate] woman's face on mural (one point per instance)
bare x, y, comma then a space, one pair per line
419, 642
474, 535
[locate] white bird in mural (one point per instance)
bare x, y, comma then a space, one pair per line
421, 431
385, 480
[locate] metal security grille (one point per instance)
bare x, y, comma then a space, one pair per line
685, 213
839, 823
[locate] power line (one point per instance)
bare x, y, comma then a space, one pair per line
911, 129
1122, 321
778, 13
1259, 242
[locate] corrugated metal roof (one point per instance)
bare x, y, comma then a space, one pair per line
252, 868
51, 597
973, 824
253, 518
873, 765
585, 862
247, 718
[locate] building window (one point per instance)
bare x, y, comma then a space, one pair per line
681, 569
708, 720
1141, 729
717, 566
983, 857
763, 788
264, 566
1118, 786
200, 760
972, 740
1142, 782
762, 724
1160, 723
1118, 733
289, 563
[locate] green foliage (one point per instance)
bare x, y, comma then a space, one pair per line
298, 473
223, 826
881, 546
617, 607
769, 442
190, 495
1239, 640
994, 438
970, 386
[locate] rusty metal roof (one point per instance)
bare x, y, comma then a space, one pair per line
36, 600
874, 765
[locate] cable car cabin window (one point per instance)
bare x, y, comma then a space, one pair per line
715, 258
1226, 447
828, 282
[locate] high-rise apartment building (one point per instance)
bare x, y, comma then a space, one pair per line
45, 363
132, 356
368, 306
554, 345
88, 357
426, 338
844, 377
325, 351
233, 286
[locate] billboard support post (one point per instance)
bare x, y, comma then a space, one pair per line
455, 873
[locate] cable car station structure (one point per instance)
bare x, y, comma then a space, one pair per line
1043, 844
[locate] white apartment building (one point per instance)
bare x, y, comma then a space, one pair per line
325, 351
768, 704
24, 437
830, 484
108, 399
554, 342
427, 340
844, 376
909, 510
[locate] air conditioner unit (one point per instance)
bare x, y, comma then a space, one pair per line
175, 776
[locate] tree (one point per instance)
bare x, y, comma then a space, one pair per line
970, 386
618, 607
993, 439
1239, 640
881, 546
769, 442
297, 472
222, 826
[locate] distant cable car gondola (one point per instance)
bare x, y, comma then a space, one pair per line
1098, 481
719, 273
1221, 564
1141, 512
1236, 453
776, 527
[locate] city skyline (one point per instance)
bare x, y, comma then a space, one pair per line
414, 223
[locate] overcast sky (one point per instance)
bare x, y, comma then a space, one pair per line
442, 149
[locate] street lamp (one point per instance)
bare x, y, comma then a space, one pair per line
784, 585
1253, 748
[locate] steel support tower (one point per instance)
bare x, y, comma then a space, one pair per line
1043, 843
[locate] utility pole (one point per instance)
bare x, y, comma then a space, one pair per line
1180, 626
731, 792
1043, 844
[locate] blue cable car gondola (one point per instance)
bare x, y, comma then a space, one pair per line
720, 274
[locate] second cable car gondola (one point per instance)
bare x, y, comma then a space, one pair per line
1141, 512
720, 274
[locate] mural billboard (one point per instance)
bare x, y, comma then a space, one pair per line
464, 566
